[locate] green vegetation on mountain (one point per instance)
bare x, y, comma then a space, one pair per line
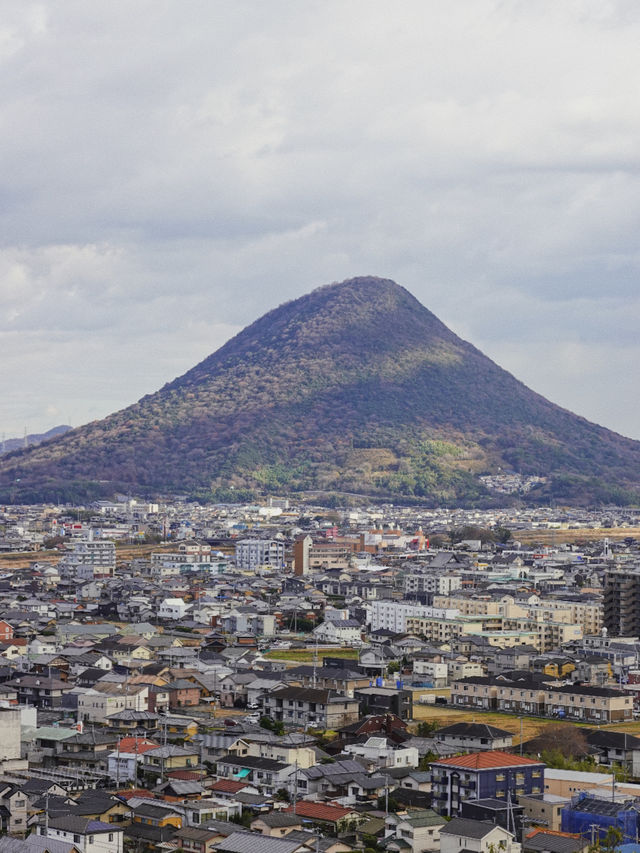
354, 388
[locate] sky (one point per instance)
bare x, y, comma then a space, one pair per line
172, 169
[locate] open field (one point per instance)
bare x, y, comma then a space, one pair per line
583, 534
531, 726
307, 655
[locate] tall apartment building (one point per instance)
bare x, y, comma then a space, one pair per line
100, 554
253, 553
622, 602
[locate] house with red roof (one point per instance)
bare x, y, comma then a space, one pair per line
123, 762
329, 813
481, 775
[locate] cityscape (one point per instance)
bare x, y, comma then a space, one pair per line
203, 677
320, 426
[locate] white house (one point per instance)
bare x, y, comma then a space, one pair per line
476, 836
419, 830
346, 631
86, 834
173, 608
378, 751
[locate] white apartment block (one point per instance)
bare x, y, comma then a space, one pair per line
393, 615
253, 553
434, 584
99, 554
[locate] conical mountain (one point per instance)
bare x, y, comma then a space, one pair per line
355, 387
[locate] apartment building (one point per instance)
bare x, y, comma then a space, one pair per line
253, 553
480, 775
622, 602
304, 706
393, 615
580, 703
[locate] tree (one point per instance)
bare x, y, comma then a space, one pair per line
426, 728
275, 726
502, 534
610, 843
568, 740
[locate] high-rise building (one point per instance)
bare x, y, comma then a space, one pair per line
622, 602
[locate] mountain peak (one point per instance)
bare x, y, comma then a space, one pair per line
354, 387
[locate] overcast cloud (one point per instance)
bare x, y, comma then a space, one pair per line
171, 169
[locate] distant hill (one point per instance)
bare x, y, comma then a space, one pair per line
9, 444
355, 387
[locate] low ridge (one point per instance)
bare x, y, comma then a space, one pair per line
355, 387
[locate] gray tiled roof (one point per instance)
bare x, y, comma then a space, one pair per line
465, 827
251, 842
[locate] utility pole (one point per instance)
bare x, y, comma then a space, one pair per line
521, 722
315, 662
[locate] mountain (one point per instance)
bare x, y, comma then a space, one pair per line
355, 387
9, 444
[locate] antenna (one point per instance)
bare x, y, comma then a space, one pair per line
26, 438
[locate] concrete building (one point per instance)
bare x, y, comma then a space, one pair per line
622, 602
253, 553
393, 615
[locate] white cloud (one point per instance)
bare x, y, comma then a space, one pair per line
171, 171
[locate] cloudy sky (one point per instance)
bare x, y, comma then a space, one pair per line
171, 169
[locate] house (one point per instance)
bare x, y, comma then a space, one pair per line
340, 679
480, 775
173, 608
156, 762
347, 632
183, 693
249, 842
123, 763
276, 824
6, 631
13, 809
85, 834
471, 737
338, 818
548, 841
474, 836
508, 815
206, 809
42, 691
265, 773
378, 752
544, 809
616, 747
385, 700
106, 698
198, 840
417, 831
305, 706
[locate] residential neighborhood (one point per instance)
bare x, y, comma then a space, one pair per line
295, 679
